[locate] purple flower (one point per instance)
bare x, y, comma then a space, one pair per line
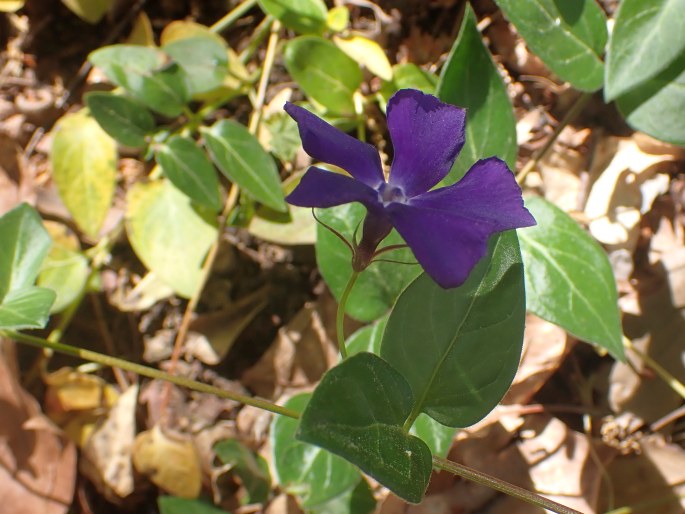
446, 228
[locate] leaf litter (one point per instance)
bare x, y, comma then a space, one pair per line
586, 431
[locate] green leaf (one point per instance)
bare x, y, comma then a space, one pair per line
189, 169
240, 157
436, 436
123, 118
368, 338
357, 411
176, 505
380, 284
168, 235
251, 468
294, 228
569, 37
65, 271
459, 348
28, 307
84, 167
359, 500
409, 75
656, 107
25, 244
470, 79
302, 16
569, 280
203, 59
306, 471
324, 72
648, 36
148, 74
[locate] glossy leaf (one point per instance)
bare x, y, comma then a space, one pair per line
656, 107
250, 467
569, 37
569, 280
309, 472
459, 348
302, 16
148, 74
240, 157
470, 79
28, 307
168, 235
368, 430
368, 338
366, 52
380, 284
324, 72
189, 169
124, 119
648, 36
176, 505
84, 167
203, 59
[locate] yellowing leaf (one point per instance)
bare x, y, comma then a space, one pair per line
338, 18
91, 11
168, 234
141, 33
171, 464
179, 29
11, 5
367, 53
84, 167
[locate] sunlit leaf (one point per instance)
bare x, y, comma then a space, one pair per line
91, 11
84, 167
569, 280
366, 52
169, 235
303, 16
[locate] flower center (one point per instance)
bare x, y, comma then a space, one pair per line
388, 194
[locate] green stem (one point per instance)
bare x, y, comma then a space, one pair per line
139, 369
575, 109
340, 318
232, 16
501, 486
675, 384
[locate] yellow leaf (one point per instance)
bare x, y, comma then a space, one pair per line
84, 167
366, 52
172, 464
141, 34
186, 29
11, 5
91, 11
338, 18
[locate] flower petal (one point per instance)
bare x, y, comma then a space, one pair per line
326, 143
427, 136
321, 188
448, 228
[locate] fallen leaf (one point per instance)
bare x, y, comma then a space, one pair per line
171, 463
37, 463
107, 453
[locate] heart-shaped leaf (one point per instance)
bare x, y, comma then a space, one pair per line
459, 348
358, 412
569, 280
470, 79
